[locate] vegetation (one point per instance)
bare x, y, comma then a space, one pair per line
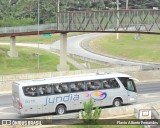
27, 61
92, 65
24, 12
88, 116
147, 48
34, 38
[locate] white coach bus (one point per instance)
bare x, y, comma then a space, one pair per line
61, 94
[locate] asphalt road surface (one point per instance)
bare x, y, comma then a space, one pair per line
148, 92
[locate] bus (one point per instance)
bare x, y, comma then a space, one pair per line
61, 94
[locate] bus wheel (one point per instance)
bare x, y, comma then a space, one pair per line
60, 109
117, 102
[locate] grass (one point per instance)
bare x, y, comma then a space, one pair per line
95, 66
145, 49
92, 65
27, 61
34, 38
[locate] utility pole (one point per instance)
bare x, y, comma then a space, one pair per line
38, 37
58, 14
127, 5
117, 18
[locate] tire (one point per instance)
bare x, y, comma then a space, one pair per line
60, 109
117, 103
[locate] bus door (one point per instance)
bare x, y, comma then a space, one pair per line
131, 91
130, 87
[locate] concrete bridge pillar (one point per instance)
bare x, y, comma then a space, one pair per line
63, 53
13, 52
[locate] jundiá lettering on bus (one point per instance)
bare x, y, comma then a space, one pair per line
68, 97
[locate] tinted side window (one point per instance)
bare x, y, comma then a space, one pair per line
30, 91
123, 81
77, 86
61, 88
44, 90
41, 90
64, 88
81, 86
110, 83
49, 89
57, 89
114, 83
74, 87
94, 85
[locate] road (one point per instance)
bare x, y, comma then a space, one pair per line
148, 92
74, 47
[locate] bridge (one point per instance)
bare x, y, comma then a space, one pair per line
114, 21
121, 21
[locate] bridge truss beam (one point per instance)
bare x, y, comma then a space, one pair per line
132, 21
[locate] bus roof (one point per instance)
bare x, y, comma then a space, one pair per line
70, 78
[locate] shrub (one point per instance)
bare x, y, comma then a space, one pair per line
89, 116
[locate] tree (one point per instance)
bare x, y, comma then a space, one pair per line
16, 11
98, 5
89, 116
